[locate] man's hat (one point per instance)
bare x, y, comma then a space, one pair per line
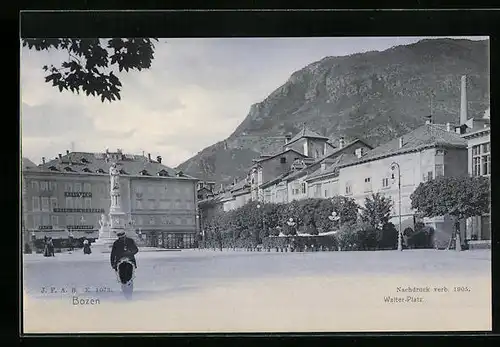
120, 233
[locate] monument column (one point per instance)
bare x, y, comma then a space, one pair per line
117, 217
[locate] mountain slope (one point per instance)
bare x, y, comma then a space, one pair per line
373, 95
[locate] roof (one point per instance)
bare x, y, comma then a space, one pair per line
26, 163
337, 161
307, 133
275, 180
333, 154
239, 185
426, 136
271, 156
95, 163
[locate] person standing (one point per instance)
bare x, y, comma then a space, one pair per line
123, 261
86, 247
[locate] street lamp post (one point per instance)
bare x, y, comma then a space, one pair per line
334, 217
395, 165
291, 223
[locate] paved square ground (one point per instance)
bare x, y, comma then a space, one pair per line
199, 290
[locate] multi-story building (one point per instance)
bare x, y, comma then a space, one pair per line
324, 182
298, 181
429, 151
68, 195
304, 149
477, 134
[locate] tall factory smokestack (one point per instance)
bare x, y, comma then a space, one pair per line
463, 101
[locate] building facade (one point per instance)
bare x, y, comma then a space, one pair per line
477, 135
67, 195
428, 152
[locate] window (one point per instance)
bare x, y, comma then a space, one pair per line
283, 160
37, 221
348, 188
87, 187
45, 204
385, 182
68, 187
317, 191
45, 219
52, 185
486, 165
481, 161
36, 203
151, 220
34, 185
326, 193
88, 203
70, 220
69, 202
303, 185
427, 176
78, 187
476, 166
53, 203
78, 203
44, 185
163, 219
439, 170
55, 220
368, 184
485, 228
139, 204
140, 220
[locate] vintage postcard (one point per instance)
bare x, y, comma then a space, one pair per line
333, 184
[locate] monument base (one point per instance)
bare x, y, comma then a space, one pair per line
107, 237
103, 245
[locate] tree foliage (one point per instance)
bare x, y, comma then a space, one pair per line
376, 211
90, 63
461, 197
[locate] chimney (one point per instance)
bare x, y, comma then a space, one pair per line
158, 159
43, 160
323, 166
401, 142
341, 142
463, 100
60, 157
448, 126
149, 157
67, 152
429, 119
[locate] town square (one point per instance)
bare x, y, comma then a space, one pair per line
345, 187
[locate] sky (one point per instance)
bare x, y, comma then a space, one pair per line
195, 94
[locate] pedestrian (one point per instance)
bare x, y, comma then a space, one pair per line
86, 247
49, 248
123, 247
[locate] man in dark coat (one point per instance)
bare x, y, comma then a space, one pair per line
123, 247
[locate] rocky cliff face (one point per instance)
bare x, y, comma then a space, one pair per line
373, 95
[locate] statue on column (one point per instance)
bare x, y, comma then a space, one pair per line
115, 184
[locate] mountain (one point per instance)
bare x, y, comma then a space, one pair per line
374, 95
